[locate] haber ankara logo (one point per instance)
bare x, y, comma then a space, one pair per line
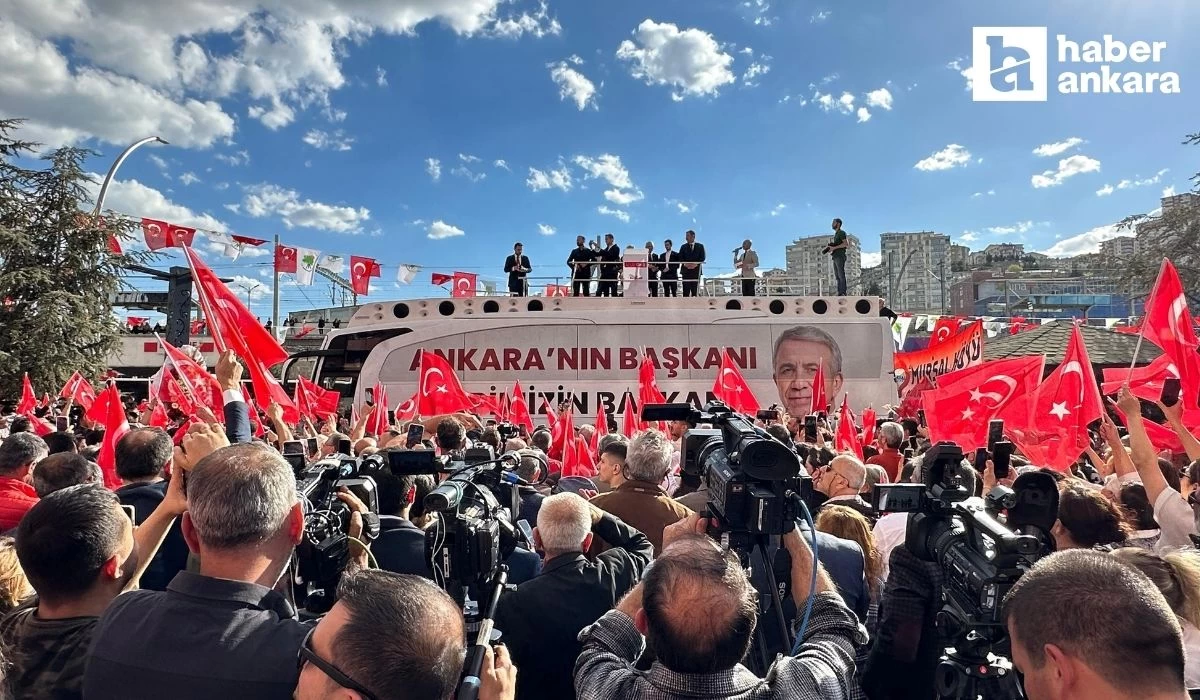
1010, 64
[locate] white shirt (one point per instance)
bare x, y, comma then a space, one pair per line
1191, 654
889, 533
1175, 519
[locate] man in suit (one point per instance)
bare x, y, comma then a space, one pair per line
651, 269
517, 266
692, 257
669, 270
540, 621
610, 268
580, 261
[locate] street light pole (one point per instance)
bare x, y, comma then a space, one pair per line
117, 164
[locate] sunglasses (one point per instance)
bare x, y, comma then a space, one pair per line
307, 655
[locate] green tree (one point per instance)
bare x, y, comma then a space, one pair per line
1013, 268
57, 277
1172, 232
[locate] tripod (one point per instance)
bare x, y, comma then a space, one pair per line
469, 688
966, 673
753, 553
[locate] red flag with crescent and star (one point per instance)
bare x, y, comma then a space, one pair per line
28, 398
440, 391
437, 279
378, 423
465, 284
79, 390
943, 330
518, 408
361, 272
160, 234
819, 401
731, 388
1050, 425
1144, 382
868, 425
601, 430
109, 410
965, 400
407, 411
1168, 324
846, 438
285, 259
630, 425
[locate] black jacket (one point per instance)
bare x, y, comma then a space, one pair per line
400, 547
581, 255
172, 556
652, 266
611, 254
511, 265
237, 422
541, 620
669, 264
692, 254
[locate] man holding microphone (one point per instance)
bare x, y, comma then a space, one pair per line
517, 266
746, 260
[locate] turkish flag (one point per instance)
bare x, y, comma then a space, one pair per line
233, 327
562, 440
579, 460
80, 390
157, 233
1050, 424
1144, 382
255, 421
1168, 324
464, 284
361, 272
648, 391
630, 425
439, 278
180, 236
379, 424
558, 290
911, 399
200, 386
486, 404
731, 388
965, 400
158, 417
846, 438
1161, 436
115, 427
943, 330
407, 411
324, 402
601, 430
28, 398
868, 425
518, 408
551, 416
440, 392
285, 259
820, 402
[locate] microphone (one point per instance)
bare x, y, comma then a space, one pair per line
736, 250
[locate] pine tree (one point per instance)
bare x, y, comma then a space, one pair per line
57, 276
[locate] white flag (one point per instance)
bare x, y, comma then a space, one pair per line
407, 273
333, 263
489, 288
900, 330
306, 264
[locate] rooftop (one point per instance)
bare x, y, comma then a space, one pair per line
1104, 346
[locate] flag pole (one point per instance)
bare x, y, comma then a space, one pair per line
1142, 329
275, 293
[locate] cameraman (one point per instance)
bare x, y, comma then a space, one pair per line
451, 436
400, 547
697, 609
243, 519
541, 620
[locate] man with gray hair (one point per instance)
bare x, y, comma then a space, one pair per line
841, 481
243, 519
889, 437
798, 352
641, 500
541, 620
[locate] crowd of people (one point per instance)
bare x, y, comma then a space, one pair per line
178, 583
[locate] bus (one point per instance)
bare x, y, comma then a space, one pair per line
587, 350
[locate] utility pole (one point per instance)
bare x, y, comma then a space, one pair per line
274, 287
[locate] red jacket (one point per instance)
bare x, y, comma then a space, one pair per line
16, 497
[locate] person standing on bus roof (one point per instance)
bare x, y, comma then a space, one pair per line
692, 257
517, 266
669, 264
610, 267
746, 260
580, 261
837, 252
651, 269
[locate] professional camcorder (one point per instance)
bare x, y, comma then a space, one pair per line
322, 554
983, 546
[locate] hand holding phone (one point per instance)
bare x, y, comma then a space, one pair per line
1170, 391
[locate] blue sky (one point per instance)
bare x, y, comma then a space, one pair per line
316, 120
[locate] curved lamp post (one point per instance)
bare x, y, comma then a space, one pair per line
117, 164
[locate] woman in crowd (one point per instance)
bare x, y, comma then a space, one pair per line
849, 524
1139, 513
1086, 519
1177, 575
14, 587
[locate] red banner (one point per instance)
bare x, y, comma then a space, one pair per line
963, 349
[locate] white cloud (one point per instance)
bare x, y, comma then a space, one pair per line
756, 70
1087, 242
575, 60
243, 285
1128, 184
440, 229
158, 161
188, 178
433, 166
573, 85
380, 76
863, 114
266, 199
132, 198
502, 164
871, 259
1105, 191
467, 173
221, 186
1053, 149
1067, 167
468, 158
778, 209
333, 141
820, 16
683, 207
760, 12
619, 213
559, 178
968, 237
1019, 227
881, 98
989, 193
538, 24
1169, 191
235, 208
279, 115
609, 168
962, 66
690, 61
546, 230
234, 159
949, 157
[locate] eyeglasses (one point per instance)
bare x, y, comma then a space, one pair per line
307, 655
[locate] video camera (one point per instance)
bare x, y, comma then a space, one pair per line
983, 546
323, 552
752, 478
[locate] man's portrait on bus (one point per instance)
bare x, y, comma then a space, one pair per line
798, 352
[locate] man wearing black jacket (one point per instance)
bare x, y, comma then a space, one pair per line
580, 261
541, 620
692, 257
610, 268
142, 455
651, 269
517, 267
668, 264
400, 547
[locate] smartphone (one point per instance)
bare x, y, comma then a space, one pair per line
810, 428
60, 424
312, 445
416, 431
130, 513
1002, 458
345, 447
523, 526
766, 415
1170, 391
921, 417
995, 433
293, 447
981, 458
912, 443
879, 422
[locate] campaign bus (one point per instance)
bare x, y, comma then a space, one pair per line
587, 350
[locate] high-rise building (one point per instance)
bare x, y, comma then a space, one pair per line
1120, 247
811, 271
960, 256
918, 268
